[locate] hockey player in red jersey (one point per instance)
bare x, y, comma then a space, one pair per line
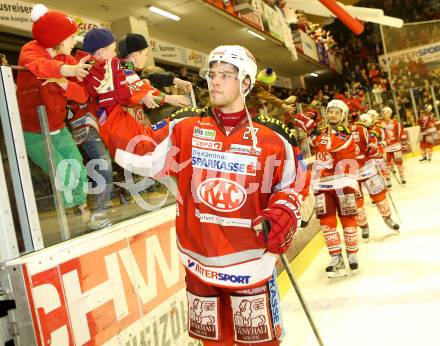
232, 172
376, 129
395, 145
335, 186
367, 149
427, 131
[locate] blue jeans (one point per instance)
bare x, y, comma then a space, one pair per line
99, 168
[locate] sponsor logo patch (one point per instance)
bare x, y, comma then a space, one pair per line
275, 306
213, 274
203, 316
245, 149
224, 162
223, 221
251, 318
201, 143
204, 133
159, 125
222, 194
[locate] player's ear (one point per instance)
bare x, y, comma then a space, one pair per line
245, 85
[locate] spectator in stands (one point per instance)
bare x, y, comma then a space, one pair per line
183, 73
100, 44
261, 94
51, 78
3, 60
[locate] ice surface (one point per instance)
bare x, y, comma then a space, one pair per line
394, 298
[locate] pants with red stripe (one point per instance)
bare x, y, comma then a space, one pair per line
396, 158
426, 144
331, 204
380, 201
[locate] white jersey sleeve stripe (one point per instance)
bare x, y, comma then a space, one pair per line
147, 165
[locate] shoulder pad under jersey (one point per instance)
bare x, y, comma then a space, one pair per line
361, 124
375, 134
379, 126
343, 129
279, 127
189, 112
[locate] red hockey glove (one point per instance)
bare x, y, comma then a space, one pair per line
284, 218
372, 150
304, 122
94, 78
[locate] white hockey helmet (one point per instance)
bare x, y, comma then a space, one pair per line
238, 56
427, 108
387, 110
366, 119
373, 113
338, 104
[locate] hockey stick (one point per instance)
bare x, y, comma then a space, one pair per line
395, 177
394, 206
304, 223
266, 229
193, 99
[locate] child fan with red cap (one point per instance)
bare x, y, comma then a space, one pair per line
50, 78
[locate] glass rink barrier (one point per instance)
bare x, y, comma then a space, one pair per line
68, 280
412, 60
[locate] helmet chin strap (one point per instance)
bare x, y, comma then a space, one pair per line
251, 124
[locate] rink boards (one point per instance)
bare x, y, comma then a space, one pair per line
121, 286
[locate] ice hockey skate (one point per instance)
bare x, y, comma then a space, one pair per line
352, 262
392, 224
336, 267
388, 181
365, 233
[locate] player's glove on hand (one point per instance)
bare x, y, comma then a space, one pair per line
284, 218
372, 150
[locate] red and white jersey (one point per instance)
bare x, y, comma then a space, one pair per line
335, 166
138, 89
223, 183
366, 149
394, 135
427, 124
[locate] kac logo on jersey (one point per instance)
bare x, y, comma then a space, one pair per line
222, 194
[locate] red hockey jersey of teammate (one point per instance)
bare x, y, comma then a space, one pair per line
395, 135
223, 172
335, 160
366, 149
427, 124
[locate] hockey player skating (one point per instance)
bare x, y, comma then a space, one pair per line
376, 129
427, 132
368, 149
335, 186
232, 173
395, 144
